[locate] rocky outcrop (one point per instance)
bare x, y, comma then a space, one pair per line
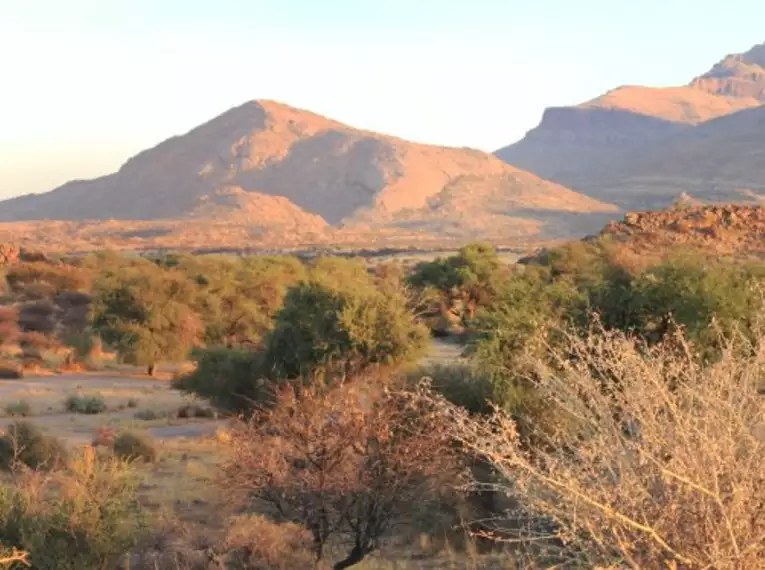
724, 229
737, 75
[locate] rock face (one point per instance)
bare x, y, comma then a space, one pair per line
267, 168
641, 146
737, 75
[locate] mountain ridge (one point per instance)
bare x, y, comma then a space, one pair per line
274, 168
585, 146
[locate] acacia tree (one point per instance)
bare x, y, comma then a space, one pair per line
347, 327
146, 316
348, 465
470, 278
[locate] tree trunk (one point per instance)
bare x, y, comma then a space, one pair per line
356, 556
151, 369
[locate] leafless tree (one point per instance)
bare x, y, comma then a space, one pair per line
348, 465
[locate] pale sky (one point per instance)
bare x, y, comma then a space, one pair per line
85, 84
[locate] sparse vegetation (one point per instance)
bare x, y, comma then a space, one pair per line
85, 404
90, 518
24, 443
21, 408
133, 445
573, 364
348, 464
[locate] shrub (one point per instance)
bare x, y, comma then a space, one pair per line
658, 465
353, 477
231, 379
90, 518
10, 370
462, 384
9, 329
195, 411
37, 316
257, 542
20, 408
147, 415
133, 445
56, 278
343, 327
91, 405
132, 403
147, 316
25, 443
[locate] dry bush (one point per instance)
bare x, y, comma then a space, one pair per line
133, 445
349, 465
24, 443
257, 543
659, 464
84, 517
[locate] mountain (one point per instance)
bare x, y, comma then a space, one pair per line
722, 160
584, 145
271, 169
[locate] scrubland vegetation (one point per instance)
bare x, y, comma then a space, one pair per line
606, 413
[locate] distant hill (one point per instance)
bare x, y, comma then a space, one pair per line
271, 170
722, 160
605, 146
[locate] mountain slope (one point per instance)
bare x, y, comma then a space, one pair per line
721, 160
572, 145
271, 166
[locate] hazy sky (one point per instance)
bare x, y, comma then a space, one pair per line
84, 84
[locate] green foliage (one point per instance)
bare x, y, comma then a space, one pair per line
472, 278
24, 442
462, 384
522, 323
90, 518
572, 286
239, 297
147, 317
231, 379
340, 321
89, 405
53, 278
132, 445
19, 408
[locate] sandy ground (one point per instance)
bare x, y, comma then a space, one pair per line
124, 395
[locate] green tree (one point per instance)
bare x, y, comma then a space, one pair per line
471, 278
342, 328
146, 315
